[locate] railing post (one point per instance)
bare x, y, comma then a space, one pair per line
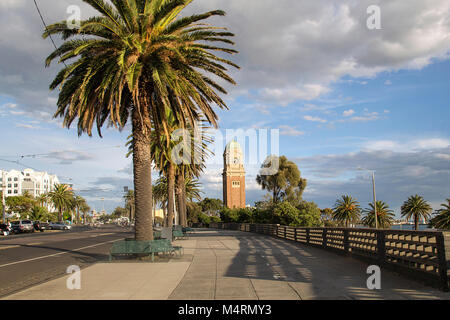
381, 247
324, 238
285, 232
346, 241
307, 235
295, 234
440, 244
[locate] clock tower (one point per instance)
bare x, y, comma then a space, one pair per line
233, 176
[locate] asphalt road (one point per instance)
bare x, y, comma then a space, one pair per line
27, 260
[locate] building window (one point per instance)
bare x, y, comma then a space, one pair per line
9, 179
16, 192
9, 191
9, 185
236, 184
15, 179
15, 185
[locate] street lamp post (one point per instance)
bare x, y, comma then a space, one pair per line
374, 200
374, 195
3, 197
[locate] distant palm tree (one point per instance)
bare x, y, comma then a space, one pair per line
346, 210
38, 214
416, 207
78, 202
442, 218
62, 199
130, 204
385, 216
42, 199
138, 58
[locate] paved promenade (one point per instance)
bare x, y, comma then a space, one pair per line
228, 265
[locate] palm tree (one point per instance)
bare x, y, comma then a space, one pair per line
138, 59
385, 216
62, 199
84, 209
416, 207
442, 218
42, 199
130, 203
79, 202
38, 214
346, 210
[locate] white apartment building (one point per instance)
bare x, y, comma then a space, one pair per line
16, 183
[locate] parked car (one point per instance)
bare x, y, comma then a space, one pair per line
22, 226
59, 226
40, 226
5, 229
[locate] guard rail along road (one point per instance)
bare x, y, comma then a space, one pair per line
418, 254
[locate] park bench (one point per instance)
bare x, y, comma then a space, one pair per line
188, 230
132, 248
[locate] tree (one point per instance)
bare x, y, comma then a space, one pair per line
346, 210
286, 214
130, 203
119, 212
85, 209
416, 207
193, 211
442, 218
285, 183
211, 206
138, 59
309, 215
62, 199
20, 204
39, 214
327, 217
78, 203
385, 216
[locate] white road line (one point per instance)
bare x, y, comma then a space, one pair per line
58, 254
9, 247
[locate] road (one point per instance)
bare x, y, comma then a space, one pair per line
28, 260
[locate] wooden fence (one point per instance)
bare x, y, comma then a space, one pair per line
420, 254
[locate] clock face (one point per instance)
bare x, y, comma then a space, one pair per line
236, 160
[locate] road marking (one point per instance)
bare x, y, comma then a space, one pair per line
58, 254
9, 247
101, 235
34, 244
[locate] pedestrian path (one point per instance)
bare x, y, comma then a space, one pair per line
229, 265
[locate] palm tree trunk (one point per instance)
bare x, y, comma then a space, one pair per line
183, 209
416, 222
170, 194
180, 200
142, 167
78, 215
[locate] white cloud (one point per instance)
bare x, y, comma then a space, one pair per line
314, 119
290, 131
388, 82
349, 113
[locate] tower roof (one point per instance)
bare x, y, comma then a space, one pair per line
232, 146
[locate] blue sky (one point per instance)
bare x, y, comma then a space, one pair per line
342, 97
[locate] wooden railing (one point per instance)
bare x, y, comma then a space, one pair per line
421, 254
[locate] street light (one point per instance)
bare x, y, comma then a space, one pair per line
374, 195
3, 197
